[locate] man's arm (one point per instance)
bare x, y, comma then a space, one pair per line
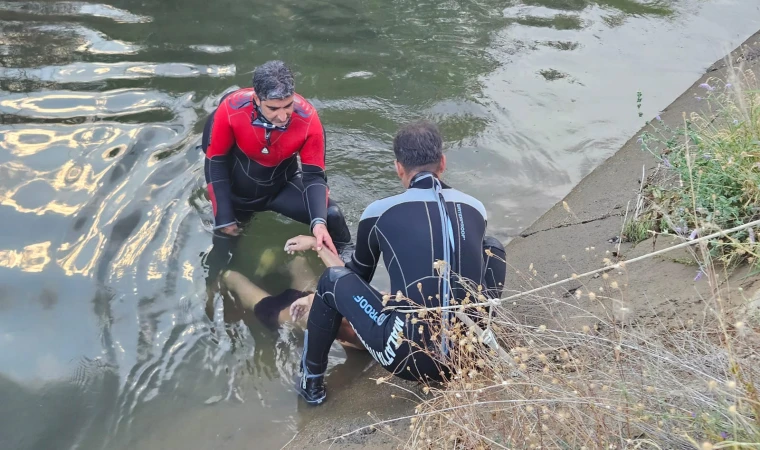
367, 254
313, 165
303, 243
217, 169
314, 179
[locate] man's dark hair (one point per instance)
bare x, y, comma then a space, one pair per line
273, 80
419, 146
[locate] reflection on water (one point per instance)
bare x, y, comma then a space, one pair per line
104, 341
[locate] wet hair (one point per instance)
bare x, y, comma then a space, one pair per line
273, 80
419, 145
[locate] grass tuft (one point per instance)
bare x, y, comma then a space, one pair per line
709, 173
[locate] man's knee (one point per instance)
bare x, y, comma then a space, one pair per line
336, 224
334, 214
331, 275
326, 284
491, 243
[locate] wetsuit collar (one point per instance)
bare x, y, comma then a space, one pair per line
424, 180
258, 120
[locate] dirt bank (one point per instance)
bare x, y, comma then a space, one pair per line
662, 288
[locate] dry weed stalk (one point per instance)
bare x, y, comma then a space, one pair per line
604, 385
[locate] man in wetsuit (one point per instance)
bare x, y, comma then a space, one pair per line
429, 222
251, 143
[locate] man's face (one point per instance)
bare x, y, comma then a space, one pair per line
277, 111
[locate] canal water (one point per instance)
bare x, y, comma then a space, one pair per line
104, 338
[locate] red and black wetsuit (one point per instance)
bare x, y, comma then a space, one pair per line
250, 169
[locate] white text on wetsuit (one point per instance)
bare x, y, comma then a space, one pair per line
461, 222
369, 310
388, 355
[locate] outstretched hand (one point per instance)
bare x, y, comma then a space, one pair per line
300, 244
301, 307
323, 238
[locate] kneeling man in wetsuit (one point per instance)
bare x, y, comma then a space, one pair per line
251, 143
429, 222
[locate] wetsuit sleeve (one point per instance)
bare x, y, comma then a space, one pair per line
314, 178
367, 254
217, 168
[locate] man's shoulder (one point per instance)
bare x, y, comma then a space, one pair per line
240, 99
303, 108
456, 196
379, 207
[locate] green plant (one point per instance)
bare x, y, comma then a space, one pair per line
637, 230
711, 165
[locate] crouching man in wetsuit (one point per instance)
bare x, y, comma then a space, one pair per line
251, 143
429, 222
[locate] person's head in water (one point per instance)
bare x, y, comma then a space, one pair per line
418, 148
274, 88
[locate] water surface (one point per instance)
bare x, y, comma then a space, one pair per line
104, 342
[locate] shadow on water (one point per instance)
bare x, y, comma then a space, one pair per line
104, 338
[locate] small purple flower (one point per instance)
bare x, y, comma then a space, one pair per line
723, 435
706, 86
698, 98
736, 122
658, 118
728, 85
640, 140
667, 163
707, 156
694, 234
699, 275
679, 230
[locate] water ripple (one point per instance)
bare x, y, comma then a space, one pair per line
93, 72
74, 9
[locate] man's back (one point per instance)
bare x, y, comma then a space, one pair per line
408, 231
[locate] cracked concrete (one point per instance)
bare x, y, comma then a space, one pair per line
564, 225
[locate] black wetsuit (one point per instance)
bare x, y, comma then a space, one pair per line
410, 231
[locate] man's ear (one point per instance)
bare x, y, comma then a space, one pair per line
400, 170
442, 166
256, 99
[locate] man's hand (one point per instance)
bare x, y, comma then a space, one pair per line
300, 244
323, 238
232, 230
301, 307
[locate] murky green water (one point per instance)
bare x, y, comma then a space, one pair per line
104, 342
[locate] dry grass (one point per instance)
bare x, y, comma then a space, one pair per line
605, 385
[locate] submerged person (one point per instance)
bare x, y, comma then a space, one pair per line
429, 222
290, 305
252, 143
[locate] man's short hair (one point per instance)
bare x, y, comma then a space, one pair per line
273, 80
418, 145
